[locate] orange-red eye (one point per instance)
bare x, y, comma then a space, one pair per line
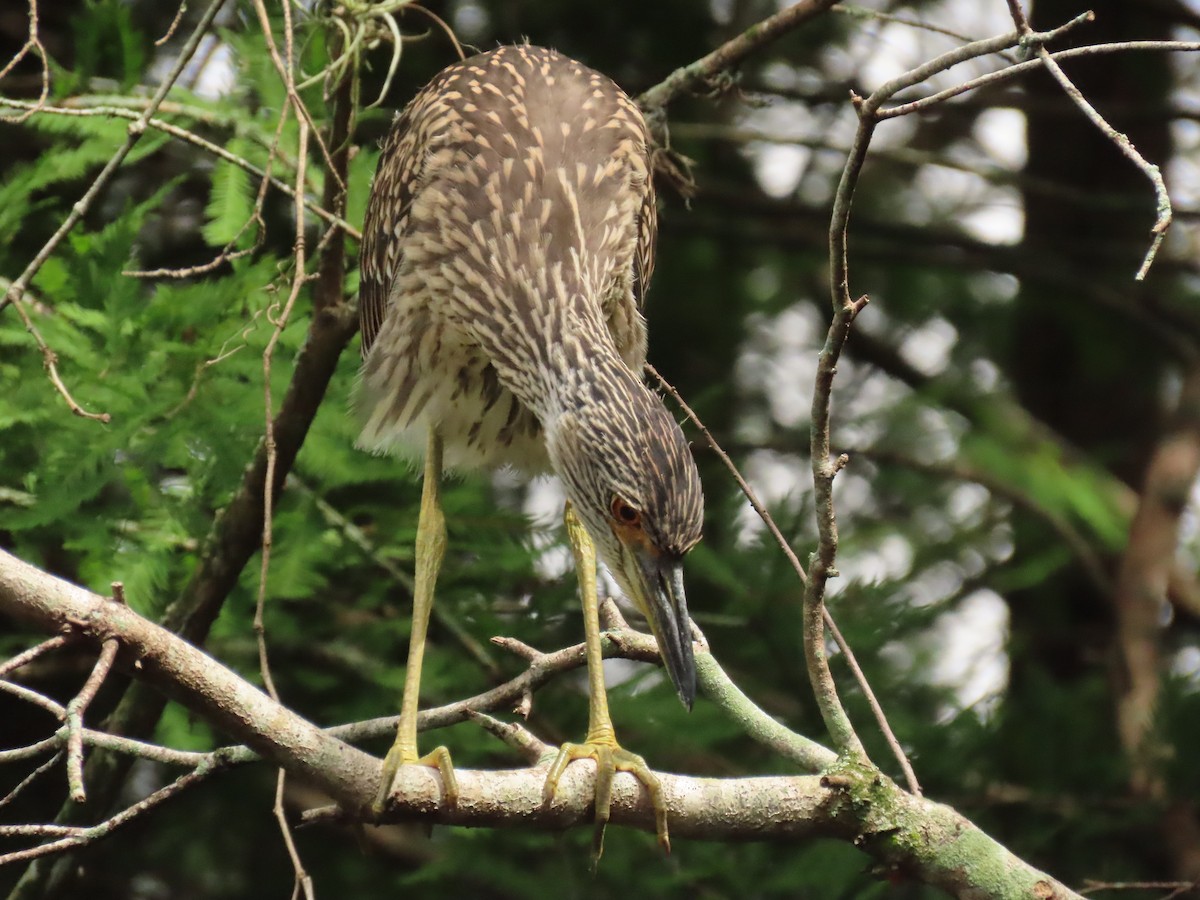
625, 514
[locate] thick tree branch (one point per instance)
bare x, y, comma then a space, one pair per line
185, 673
1142, 581
237, 530
910, 836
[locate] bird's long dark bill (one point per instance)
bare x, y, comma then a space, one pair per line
663, 580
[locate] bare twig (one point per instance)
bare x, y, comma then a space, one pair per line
1038, 44
825, 468
31, 696
303, 881
74, 719
89, 835
28, 656
861, 12
228, 252
33, 44
29, 751
30, 779
515, 735
821, 563
885, 727
280, 322
731, 53
179, 13
190, 137
441, 23
284, 66
748, 491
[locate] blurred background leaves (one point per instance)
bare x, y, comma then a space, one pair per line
1005, 387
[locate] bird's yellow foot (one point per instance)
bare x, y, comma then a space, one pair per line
610, 758
439, 759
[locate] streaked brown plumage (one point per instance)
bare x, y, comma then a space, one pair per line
499, 171
508, 242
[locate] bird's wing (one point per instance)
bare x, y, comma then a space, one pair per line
643, 260
385, 226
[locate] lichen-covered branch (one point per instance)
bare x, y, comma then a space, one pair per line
908, 835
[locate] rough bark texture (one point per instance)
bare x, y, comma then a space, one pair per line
912, 837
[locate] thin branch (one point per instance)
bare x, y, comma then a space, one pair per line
74, 718
1151, 171
228, 252
851, 661
441, 23
189, 137
904, 109
30, 779
28, 656
748, 491
31, 696
910, 776
303, 881
845, 309
285, 69
141, 749
515, 735
33, 44
298, 279
89, 835
758, 724
861, 12
869, 115
731, 53
170, 32
821, 563
30, 751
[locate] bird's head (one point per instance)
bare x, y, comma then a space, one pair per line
630, 476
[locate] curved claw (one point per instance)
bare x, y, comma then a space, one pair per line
438, 758
610, 759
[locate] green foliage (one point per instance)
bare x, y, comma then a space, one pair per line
108, 44
231, 204
737, 312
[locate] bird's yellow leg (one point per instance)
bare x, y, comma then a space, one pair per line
601, 741
431, 547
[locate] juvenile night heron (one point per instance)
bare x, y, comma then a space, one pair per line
509, 237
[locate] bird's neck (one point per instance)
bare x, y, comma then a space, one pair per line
588, 374
559, 358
